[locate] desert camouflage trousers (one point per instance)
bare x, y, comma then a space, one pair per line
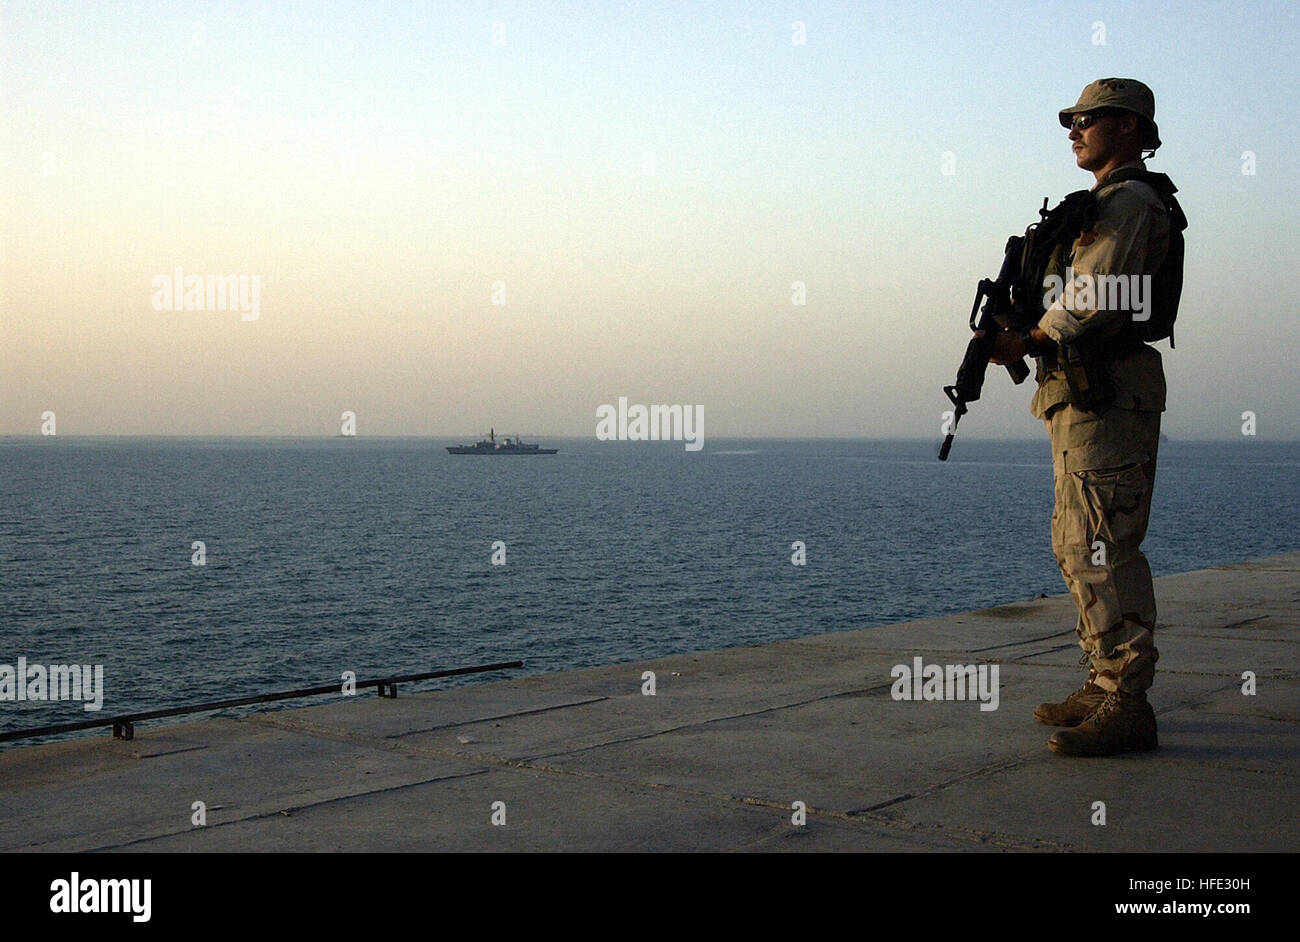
1098, 526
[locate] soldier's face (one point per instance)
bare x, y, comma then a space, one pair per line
1095, 145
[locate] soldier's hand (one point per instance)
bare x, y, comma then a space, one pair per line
1007, 347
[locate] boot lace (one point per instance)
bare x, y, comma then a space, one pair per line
1108, 706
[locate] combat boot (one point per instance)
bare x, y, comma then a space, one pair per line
1077, 707
1124, 722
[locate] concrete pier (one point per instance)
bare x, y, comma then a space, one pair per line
718, 758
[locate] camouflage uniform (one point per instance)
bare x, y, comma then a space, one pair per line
1104, 463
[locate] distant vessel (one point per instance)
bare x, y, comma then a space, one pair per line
507, 446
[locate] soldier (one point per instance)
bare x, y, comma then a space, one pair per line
1100, 394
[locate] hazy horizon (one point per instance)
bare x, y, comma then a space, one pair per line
454, 214
530, 436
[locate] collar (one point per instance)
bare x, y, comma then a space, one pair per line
1138, 164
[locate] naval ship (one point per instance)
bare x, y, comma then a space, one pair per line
507, 446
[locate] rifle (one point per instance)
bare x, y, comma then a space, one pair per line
1014, 300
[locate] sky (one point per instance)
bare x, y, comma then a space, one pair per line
463, 215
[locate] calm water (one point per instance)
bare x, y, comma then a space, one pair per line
374, 555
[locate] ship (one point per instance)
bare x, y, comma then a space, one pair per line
507, 446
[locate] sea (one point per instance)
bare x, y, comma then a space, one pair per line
385, 557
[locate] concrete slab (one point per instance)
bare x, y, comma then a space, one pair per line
843, 755
543, 812
1206, 789
106, 792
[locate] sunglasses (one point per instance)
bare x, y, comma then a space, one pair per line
1089, 118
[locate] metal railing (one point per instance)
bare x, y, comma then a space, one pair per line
124, 725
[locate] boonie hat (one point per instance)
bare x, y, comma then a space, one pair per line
1125, 94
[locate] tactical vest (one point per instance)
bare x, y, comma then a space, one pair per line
1167, 280
1085, 363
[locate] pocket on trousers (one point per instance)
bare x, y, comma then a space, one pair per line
1116, 498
